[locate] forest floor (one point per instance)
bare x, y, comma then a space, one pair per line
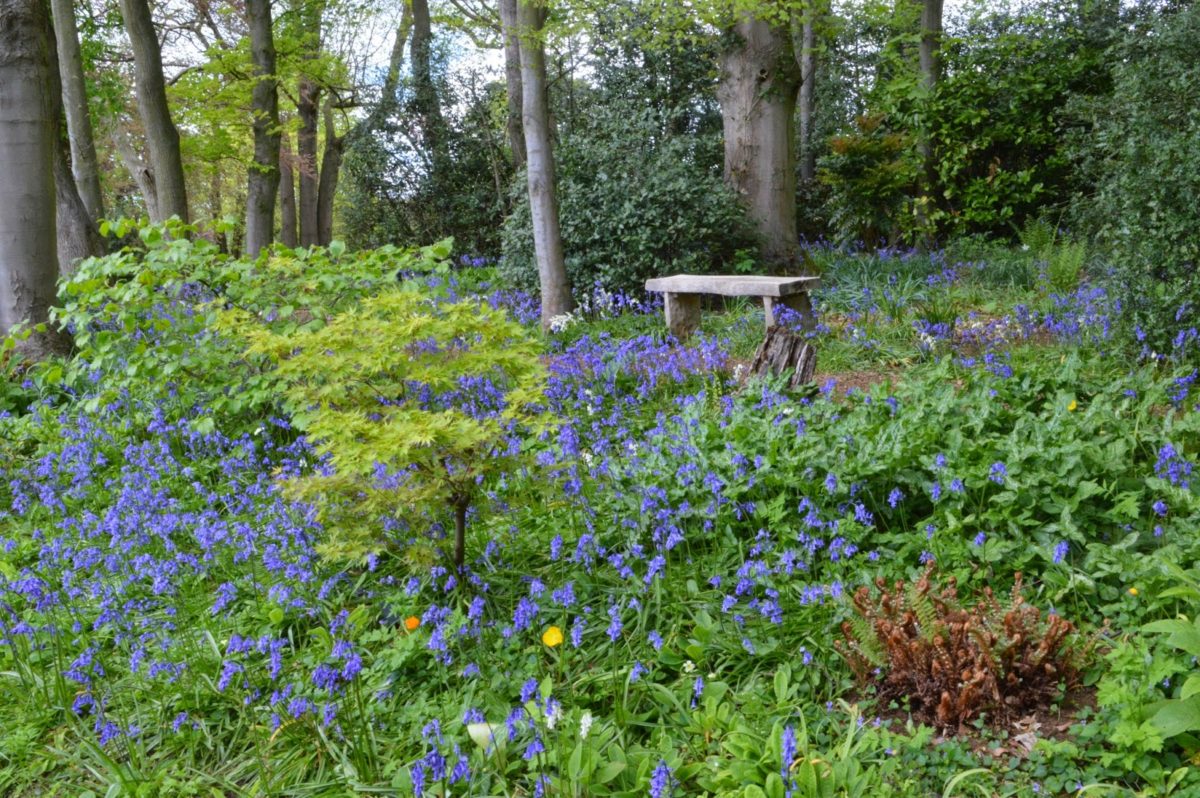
678, 592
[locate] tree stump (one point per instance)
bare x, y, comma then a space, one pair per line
784, 351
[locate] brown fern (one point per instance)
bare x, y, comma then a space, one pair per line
952, 663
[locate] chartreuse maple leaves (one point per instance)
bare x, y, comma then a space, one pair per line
411, 404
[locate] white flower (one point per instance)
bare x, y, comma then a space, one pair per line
553, 717
689, 667
585, 725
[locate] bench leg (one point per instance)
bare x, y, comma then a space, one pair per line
797, 303
683, 314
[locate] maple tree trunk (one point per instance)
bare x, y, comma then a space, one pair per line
162, 137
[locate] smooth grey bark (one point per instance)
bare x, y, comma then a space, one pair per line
142, 172
287, 196
78, 235
84, 164
162, 137
543, 194
759, 81
308, 109
512, 82
262, 182
331, 166
931, 40
807, 99
28, 128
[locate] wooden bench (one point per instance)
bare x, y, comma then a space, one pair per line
682, 296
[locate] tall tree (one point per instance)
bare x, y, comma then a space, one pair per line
308, 17
931, 42
28, 125
760, 77
543, 196
162, 137
814, 15
78, 235
263, 179
84, 164
512, 82
425, 94
331, 166
287, 195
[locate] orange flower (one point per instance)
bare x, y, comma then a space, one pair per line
411, 623
552, 637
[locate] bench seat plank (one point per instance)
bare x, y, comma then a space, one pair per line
733, 285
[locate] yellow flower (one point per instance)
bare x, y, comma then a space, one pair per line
411, 623
552, 637
1133, 591
1071, 407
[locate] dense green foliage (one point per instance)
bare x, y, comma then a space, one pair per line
635, 203
1145, 156
652, 589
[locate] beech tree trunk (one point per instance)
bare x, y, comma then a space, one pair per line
162, 137
84, 164
331, 166
543, 195
512, 82
425, 96
307, 108
263, 180
931, 40
807, 101
142, 172
287, 196
28, 126
78, 236
759, 81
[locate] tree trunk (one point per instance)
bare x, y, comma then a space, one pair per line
28, 124
216, 205
757, 91
307, 108
543, 196
931, 40
84, 164
162, 137
425, 96
512, 82
141, 172
263, 180
78, 236
785, 352
287, 196
808, 94
331, 165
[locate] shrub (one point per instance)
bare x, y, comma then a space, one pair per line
1147, 171
633, 205
412, 403
955, 663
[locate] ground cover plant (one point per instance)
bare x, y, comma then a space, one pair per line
658, 555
